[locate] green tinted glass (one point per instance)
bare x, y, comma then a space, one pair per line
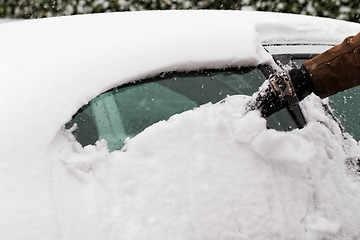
346, 107
126, 111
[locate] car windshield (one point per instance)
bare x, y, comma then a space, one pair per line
126, 111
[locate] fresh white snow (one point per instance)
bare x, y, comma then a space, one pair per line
8, 20
211, 173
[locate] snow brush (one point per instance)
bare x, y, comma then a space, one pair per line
274, 94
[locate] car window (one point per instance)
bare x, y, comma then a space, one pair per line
346, 107
126, 111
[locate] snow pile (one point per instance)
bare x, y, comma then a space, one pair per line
212, 173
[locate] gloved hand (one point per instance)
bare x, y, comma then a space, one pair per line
281, 90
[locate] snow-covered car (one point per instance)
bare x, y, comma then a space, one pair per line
114, 126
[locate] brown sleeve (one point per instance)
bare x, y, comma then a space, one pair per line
336, 69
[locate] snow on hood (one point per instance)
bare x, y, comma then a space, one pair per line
220, 176
211, 173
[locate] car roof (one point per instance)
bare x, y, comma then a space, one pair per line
51, 67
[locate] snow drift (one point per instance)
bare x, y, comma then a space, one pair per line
212, 173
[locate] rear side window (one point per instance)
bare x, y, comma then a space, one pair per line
126, 111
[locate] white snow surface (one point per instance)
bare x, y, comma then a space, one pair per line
215, 172
211, 173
